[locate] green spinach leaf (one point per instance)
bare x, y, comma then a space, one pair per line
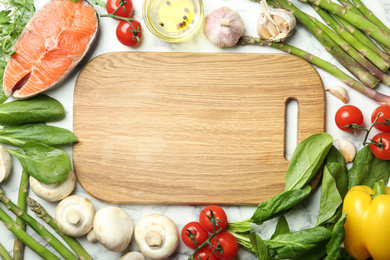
46, 164
279, 204
367, 169
330, 197
38, 109
306, 160
259, 247
281, 227
39, 132
338, 235
294, 244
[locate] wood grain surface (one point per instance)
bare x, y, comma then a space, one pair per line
190, 128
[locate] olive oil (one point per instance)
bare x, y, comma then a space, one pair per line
174, 17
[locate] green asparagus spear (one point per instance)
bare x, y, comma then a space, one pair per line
355, 19
73, 243
4, 254
22, 203
348, 80
352, 40
25, 238
347, 61
41, 230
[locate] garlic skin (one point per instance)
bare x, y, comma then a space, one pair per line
339, 92
274, 25
347, 149
223, 27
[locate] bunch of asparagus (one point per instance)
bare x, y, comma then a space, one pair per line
351, 35
17, 227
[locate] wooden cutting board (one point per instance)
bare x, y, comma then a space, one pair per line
190, 128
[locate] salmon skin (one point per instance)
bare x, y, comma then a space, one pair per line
54, 41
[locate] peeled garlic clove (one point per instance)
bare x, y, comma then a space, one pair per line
340, 93
347, 149
5, 164
274, 24
223, 27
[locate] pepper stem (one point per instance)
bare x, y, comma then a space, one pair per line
379, 188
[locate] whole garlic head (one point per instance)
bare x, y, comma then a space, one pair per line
223, 27
274, 25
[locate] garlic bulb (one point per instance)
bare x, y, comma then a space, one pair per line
347, 149
274, 24
223, 27
339, 92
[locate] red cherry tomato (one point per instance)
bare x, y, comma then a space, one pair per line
205, 253
228, 243
125, 8
384, 111
197, 231
129, 33
347, 115
381, 152
220, 218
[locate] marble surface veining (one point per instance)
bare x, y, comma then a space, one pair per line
303, 216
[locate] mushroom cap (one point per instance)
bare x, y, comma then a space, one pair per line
133, 256
74, 215
5, 164
56, 191
113, 228
157, 236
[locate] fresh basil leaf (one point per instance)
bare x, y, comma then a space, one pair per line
317, 252
281, 227
294, 244
340, 175
38, 109
338, 235
334, 156
307, 158
259, 247
46, 164
330, 197
367, 169
39, 132
279, 204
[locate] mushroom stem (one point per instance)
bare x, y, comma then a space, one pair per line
73, 216
153, 239
225, 22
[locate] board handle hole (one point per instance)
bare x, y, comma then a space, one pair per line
291, 128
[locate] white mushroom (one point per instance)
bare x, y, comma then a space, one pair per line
156, 236
56, 191
74, 215
113, 228
132, 256
5, 164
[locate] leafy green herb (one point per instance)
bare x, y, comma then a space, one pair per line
367, 169
279, 204
294, 244
40, 108
281, 227
306, 160
338, 235
259, 247
46, 164
330, 197
39, 132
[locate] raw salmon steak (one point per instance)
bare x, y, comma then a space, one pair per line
54, 41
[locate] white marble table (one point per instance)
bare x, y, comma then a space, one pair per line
303, 216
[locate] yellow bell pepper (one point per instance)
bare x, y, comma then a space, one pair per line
367, 226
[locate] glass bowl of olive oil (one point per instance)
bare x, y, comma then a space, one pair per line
173, 20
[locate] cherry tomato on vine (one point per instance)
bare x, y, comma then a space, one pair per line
205, 253
220, 218
381, 151
347, 115
125, 8
129, 33
228, 243
195, 230
384, 111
